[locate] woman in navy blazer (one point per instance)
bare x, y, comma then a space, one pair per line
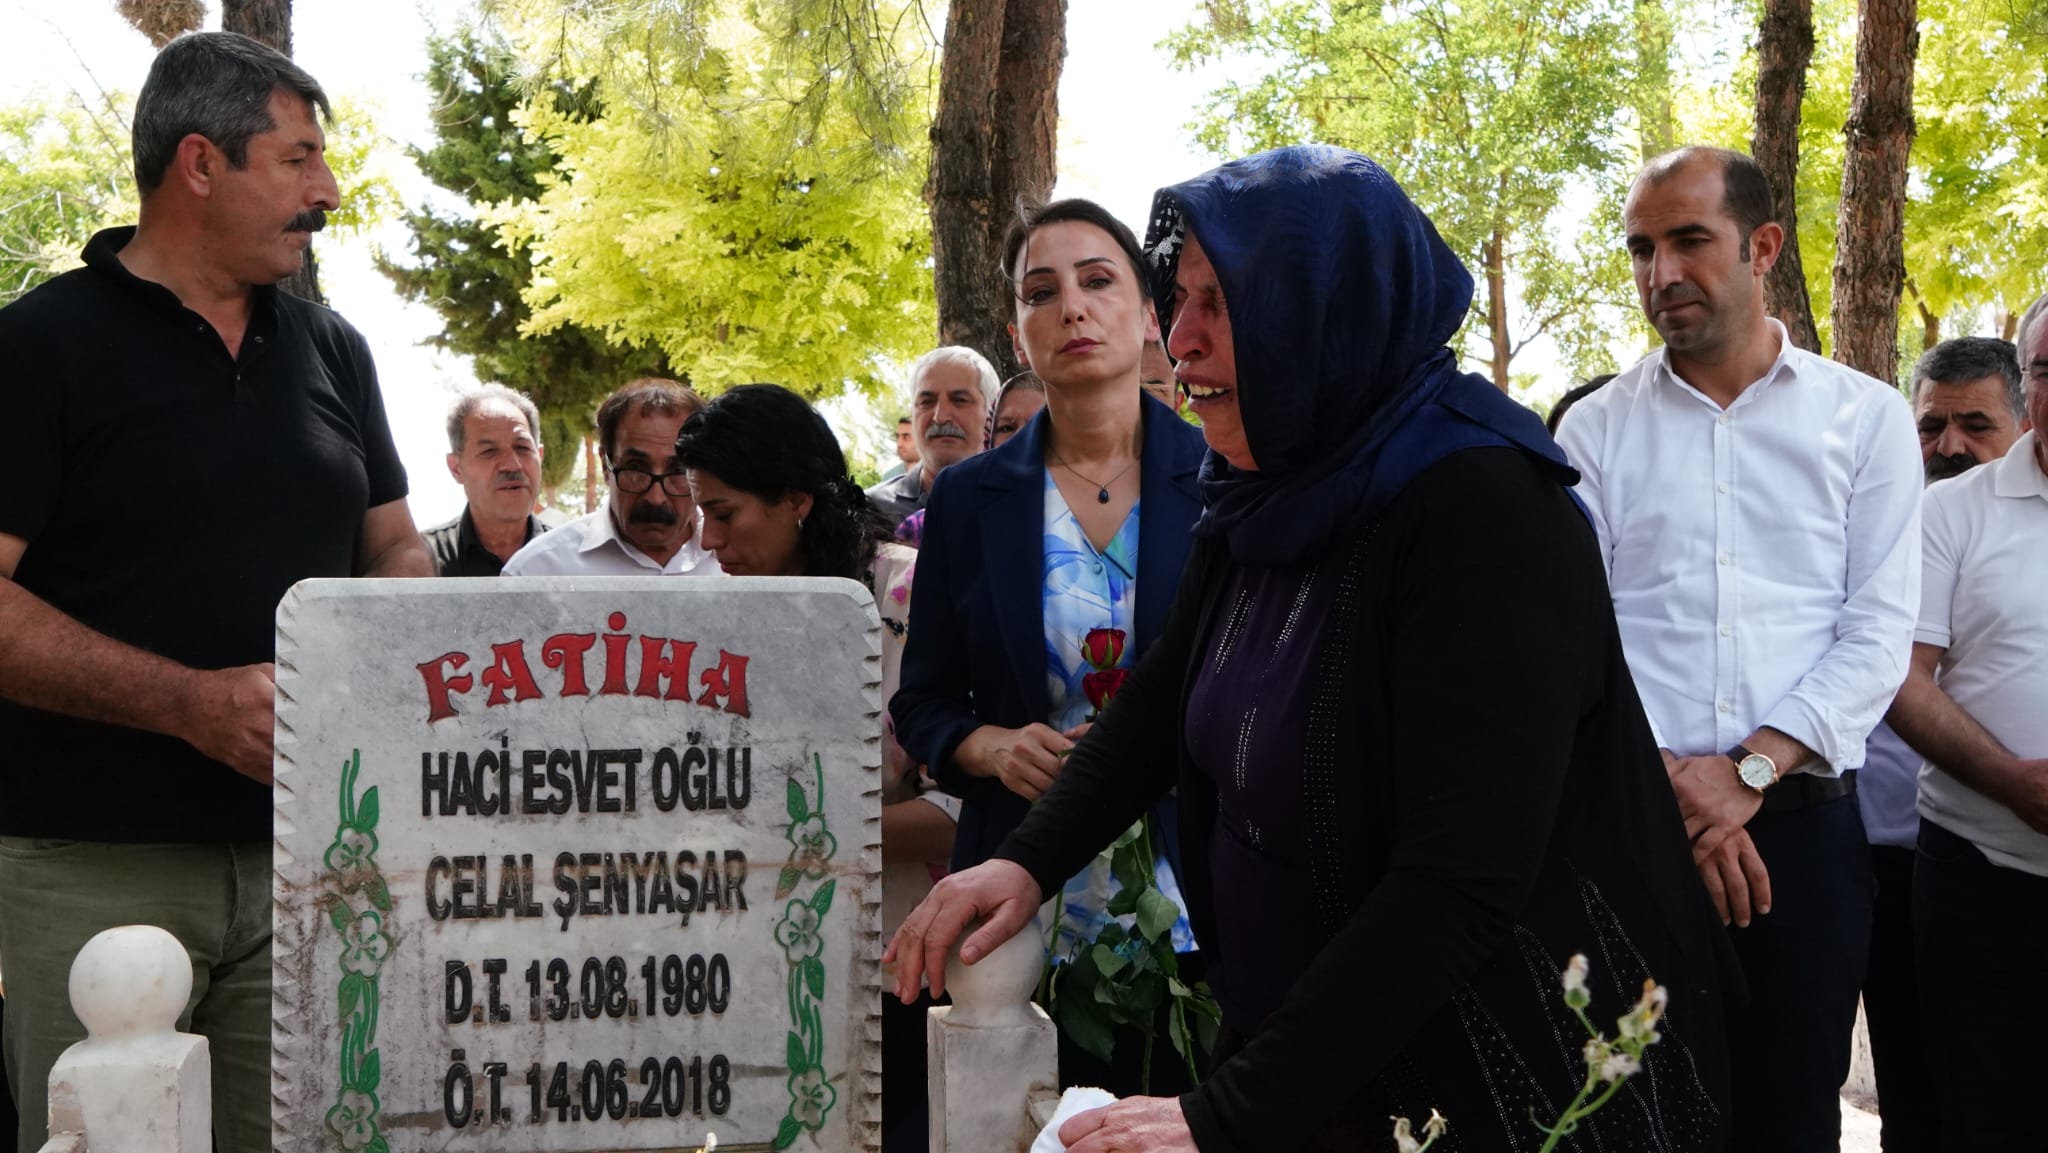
988, 698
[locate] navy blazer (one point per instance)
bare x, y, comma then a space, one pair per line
976, 651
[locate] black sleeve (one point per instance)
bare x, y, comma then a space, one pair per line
380, 453
31, 441
1127, 761
932, 709
1486, 629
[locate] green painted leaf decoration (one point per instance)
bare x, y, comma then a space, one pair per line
350, 993
337, 913
814, 977
380, 893
366, 811
787, 1134
821, 901
372, 1071
799, 808
785, 882
797, 1056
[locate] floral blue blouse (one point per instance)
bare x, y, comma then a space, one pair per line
1091, 605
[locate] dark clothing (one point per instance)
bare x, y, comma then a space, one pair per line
976, 651
899, 497
458, 552
116, 396
1804, 963
1482, 799
1982, 939
1908, 1079
1247, 723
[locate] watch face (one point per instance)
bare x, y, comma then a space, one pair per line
1757, 771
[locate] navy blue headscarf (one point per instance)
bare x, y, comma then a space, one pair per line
1342, 301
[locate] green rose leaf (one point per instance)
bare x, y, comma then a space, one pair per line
366, 812
1147, 993
1086, 1022
814, 977
785, 882
821, 901
1106, 960
1177, 1028
1132, 870
798, 1059
1124, 903
799, 808
787, 1134
1156, 914
1174, 986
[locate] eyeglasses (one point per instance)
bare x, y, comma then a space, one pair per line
634, 481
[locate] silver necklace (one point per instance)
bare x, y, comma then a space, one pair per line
1101, 487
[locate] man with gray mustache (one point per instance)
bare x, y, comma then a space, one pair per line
952, 392
1758, 509
136, 686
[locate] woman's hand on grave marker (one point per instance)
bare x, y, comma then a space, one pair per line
999, 892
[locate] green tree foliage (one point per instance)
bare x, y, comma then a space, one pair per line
1506, 120
473, 278
755, 233
1976, 194
66, 172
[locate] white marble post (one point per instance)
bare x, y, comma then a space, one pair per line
135, 1084
991, 1051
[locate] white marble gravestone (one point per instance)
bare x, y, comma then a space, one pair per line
577, 864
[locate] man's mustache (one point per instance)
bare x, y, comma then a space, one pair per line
311, 220
645, 512
945, 428
513, 477
1941, 467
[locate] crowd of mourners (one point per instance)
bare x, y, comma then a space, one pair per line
1720, 680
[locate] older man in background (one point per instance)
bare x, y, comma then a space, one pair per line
952, 393
494, 453
648, 523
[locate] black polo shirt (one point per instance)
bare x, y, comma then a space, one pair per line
458, 552
170, 494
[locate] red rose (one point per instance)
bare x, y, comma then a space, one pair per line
1103, 648
1102, 687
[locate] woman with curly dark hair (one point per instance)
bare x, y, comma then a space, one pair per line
775, 499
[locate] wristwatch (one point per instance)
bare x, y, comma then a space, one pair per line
1754, 769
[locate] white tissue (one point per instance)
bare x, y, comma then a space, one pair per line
1075, 1100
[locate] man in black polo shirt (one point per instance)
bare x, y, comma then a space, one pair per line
494, 453
135, 679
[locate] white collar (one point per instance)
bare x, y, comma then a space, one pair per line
2019, 470
1786, 351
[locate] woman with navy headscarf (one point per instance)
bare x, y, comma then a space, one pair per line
1414, 776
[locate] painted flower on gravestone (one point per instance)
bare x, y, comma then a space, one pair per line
354, 1119
352, 857
814, 843
1103, 648
364, 945
797, 932
811, 1097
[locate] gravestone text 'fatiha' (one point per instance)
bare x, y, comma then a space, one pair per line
571, 865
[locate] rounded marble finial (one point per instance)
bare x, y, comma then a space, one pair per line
130, 980
996, 990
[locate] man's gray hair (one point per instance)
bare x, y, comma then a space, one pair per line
985, 378
2030, 325
467, 404
1968, 358
217, 84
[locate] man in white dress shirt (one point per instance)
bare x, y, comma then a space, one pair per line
648, 523
1970, 405
1976, 704
1759, 511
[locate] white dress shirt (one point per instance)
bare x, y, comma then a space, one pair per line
1764, 560
1985, 600
591, 545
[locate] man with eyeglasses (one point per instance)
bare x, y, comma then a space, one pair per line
648, 525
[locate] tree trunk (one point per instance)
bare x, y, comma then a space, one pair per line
993, 139
270, 21
1870, 258
1497, 308
589, 475
1930, 324
1784, 47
